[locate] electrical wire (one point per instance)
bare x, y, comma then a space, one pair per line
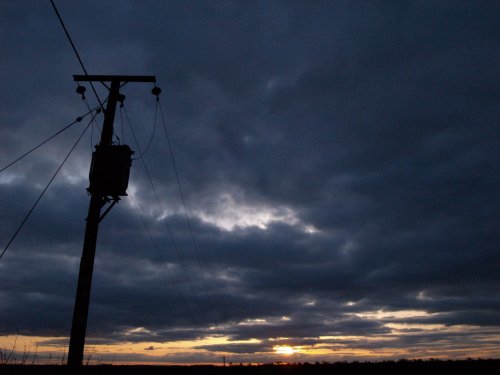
174, 243
88, 107
74, 49
193, 241
152, 135
45, 189
94, 123
162, 259
78, 119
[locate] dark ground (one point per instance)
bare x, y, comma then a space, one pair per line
476, 367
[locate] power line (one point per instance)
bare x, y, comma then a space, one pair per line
94, 123
74, 49
188, 279
152, 135
78, 119
195, 247
162, 259
45, 189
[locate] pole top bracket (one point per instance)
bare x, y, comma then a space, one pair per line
113, 78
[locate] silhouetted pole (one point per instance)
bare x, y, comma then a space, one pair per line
97, 201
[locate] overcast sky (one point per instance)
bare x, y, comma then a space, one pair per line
338, 160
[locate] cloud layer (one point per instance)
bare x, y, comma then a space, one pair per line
338, 161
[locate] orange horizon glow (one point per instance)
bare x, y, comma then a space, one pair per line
284, 350
326, 348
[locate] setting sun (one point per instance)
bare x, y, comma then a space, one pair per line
285, 350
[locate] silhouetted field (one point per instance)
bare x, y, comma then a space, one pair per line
476, 367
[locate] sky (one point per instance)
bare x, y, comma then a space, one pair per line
339, 171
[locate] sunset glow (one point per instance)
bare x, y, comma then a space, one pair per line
284, 349
311, 182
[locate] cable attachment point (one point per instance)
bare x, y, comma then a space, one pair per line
81, 90
121, 99
156, 91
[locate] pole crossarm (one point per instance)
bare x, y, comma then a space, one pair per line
111, 78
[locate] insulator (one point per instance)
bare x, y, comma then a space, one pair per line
120, 98
156, 91
81, 90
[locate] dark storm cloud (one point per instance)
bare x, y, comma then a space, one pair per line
370, 128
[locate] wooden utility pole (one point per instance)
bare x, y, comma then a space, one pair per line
108, 181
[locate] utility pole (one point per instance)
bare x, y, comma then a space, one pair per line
108, 180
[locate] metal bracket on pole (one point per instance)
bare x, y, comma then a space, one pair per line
115, 201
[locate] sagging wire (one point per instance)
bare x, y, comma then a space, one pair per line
152, 135
174, 243
78, 119
156, 91
81, 90
75, 50
46, 187
162, 259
